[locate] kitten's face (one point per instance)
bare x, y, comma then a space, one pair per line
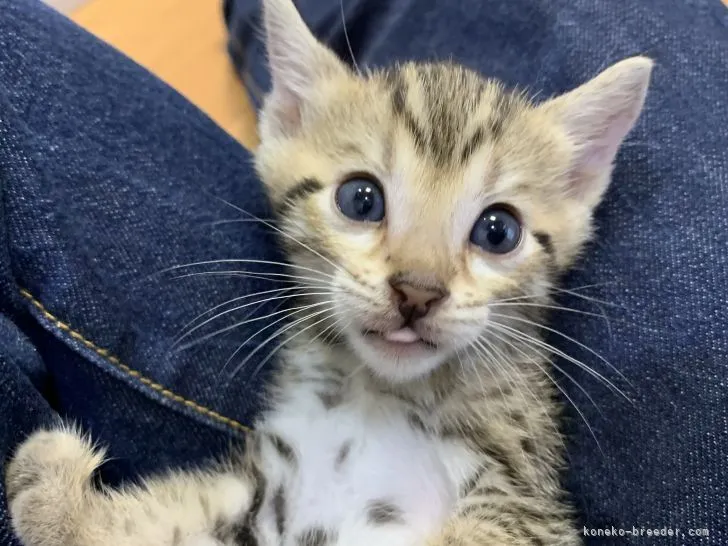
425, 195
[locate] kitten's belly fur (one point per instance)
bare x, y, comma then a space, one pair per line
356, 456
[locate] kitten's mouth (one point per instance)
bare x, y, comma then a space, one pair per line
402, 338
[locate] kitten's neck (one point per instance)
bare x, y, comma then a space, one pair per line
464, 380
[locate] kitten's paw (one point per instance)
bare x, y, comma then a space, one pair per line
47, 482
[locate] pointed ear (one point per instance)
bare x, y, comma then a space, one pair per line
297, 61
596, 118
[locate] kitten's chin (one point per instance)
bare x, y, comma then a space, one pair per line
397, 360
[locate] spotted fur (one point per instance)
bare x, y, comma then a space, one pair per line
453, 441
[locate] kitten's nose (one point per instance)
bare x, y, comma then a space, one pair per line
413, 301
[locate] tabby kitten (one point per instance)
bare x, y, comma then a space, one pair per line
434, 209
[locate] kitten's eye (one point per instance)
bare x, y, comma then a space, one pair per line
361, 199
497, 230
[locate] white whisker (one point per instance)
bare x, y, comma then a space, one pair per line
569, 338
535, 361
235, 300
275, 334
325, 276
346, 36
244, 306
571, 401
550, 348
231, 327
287, 340
285, 234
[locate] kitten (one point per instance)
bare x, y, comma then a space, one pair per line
435, 210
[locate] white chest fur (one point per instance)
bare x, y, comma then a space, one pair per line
361, 470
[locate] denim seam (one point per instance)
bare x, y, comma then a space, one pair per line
106, 355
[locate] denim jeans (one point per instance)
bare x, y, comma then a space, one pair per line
108, 179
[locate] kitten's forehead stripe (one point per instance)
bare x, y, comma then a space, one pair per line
401, 109
473, 144
438, 103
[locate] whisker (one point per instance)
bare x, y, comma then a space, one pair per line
572, 402
287, 340
285, 234
346, 36
304, 281
489, 358
238, 220
602, 314
576, 294
569, 338
572, 292
237, 299
325, 276
534, 360
243, 274
515, 385
535, 341
206, 337
238, 308
275, 334
556, 307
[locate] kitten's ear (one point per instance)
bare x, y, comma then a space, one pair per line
297, 63
597, 117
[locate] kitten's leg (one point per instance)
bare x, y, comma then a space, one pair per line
53, 501
489, 516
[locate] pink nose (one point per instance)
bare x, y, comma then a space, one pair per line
415, 302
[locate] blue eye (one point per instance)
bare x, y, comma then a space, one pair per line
361, 200
497, 230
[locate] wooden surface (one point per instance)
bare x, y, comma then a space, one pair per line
183, 43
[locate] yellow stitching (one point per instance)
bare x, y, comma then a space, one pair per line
129, 371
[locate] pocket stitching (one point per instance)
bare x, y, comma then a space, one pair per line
117, 363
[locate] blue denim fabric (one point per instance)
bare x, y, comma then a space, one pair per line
662, 239
107, 177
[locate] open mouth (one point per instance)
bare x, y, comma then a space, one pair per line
402, 338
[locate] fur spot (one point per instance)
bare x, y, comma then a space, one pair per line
316, 536
279, 509
283, 448
331, 399
528, 447
416, 422
544, 239
381, 512
297, 193
244, 536
342, 455
176, 536
518, 418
